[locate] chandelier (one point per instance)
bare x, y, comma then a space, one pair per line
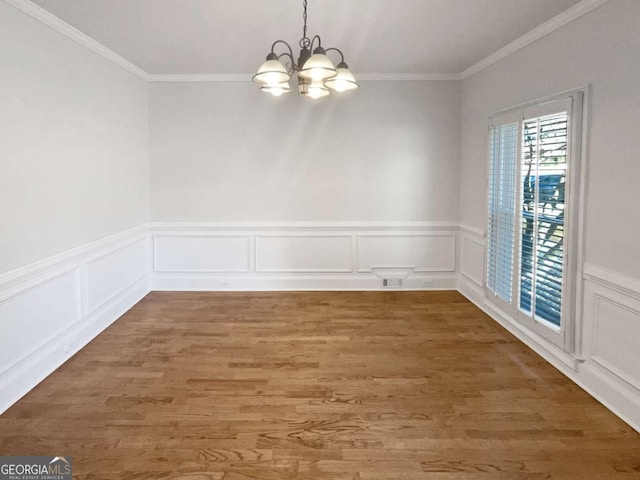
315, 72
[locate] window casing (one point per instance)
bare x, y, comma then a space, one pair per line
532, 235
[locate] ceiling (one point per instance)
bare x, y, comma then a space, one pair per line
377, 36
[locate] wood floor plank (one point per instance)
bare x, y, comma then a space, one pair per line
316, 385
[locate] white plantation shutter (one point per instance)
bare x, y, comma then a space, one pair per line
503, 154
543, 174
532, 212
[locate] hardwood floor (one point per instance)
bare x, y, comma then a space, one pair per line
316, 385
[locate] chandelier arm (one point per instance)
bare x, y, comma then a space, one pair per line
336, 50
313, 41
288, 54
273, 47
292, 67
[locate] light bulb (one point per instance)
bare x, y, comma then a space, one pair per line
316, 74
277, 89
317, 90
340, 86
272, 78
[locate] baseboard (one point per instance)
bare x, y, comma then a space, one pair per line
622, 401
551, 352
470, 289
178, 282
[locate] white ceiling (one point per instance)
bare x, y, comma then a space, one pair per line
234, 36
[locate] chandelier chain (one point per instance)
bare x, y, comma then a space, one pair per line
304, 17
304, 41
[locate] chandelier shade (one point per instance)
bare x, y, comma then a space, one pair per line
343, 81
318, 68
315, 72
272, 72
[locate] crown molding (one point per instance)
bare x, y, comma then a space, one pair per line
50, 20
406, 77
42, 15
199, 77
246, 77
560, 20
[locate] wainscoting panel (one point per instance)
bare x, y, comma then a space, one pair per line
304, 256
114, 272
611, 336
201, 252
433, 252
303, 253
34, 316
52, 308
471, 244
472, 259
616, 336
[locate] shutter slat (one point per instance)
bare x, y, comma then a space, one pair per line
544, 162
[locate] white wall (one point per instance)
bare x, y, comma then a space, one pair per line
335, 194
73, 143
74, 177
602, 49
228, 152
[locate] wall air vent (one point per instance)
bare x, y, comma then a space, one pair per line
392, 282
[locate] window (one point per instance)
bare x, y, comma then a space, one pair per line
533, 171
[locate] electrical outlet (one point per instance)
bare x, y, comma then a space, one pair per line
427, 284
225, 284
392, 282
